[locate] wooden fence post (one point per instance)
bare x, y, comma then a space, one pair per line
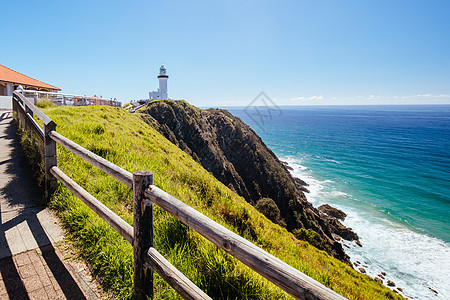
50, 159
143, 235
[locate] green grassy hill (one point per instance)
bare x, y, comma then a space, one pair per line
129, 142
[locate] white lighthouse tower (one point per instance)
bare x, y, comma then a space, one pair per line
161, 93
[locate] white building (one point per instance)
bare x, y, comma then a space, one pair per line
161, 93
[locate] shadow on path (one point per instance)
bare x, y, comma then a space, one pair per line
21, 208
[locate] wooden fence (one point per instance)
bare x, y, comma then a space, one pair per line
146, 258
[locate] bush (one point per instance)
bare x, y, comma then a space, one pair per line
311, 237
34, 152
45, 102
269, 208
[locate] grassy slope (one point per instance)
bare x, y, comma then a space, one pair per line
129, 142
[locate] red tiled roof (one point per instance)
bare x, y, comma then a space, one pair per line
8, 75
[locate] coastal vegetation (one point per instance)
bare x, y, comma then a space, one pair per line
126, 140
45, 102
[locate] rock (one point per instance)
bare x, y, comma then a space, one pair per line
286, 165
378, 280
289, 168
358, 243
395, 291
341, 230
362, 270
303, 189
390, 283
332, 212
300, 184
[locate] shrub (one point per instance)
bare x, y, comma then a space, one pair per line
45, 102
269, 208
311, 237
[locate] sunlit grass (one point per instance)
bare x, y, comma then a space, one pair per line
129, 142
45, 102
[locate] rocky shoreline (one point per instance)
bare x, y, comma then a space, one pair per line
338, 214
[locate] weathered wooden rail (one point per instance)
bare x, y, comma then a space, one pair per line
146, 258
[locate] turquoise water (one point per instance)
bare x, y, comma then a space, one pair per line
388, 167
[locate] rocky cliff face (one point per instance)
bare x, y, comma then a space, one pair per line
237, 156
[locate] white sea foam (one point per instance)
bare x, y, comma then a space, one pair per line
415, 262
314, 186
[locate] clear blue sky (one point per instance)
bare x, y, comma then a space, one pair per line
224, 53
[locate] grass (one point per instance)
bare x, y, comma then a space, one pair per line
129, 142
45, 102
33, 149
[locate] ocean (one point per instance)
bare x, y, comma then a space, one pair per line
388, 168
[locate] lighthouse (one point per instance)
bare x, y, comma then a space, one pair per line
161, 93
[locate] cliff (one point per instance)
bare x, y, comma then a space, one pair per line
236, 155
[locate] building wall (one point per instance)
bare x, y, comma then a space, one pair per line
6, 102
6, 89
9, 89
158, 95
163, 85
161, 93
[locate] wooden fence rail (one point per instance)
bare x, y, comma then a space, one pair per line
146, 258
283, 275
122, 227
106, 166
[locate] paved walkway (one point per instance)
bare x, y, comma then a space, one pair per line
31, 267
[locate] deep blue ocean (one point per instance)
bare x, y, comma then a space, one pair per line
388, 168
